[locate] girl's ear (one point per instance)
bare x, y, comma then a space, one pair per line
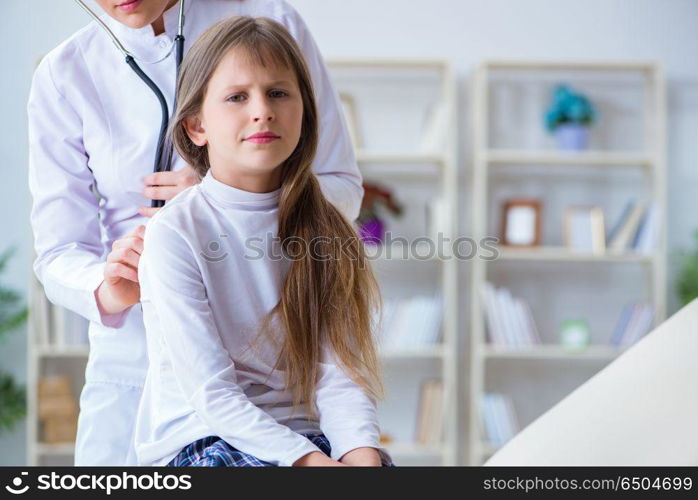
195, 130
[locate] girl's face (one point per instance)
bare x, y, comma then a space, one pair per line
135, 13
250, 120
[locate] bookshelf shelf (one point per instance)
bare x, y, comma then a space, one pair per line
429, 352
389, 165
55, 449
62, 352
390, 158
496, 169
414, 450
552, 352
562, 159
562, 254
412, 252
563, 65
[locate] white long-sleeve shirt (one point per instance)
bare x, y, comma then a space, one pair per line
206, 283
93, 128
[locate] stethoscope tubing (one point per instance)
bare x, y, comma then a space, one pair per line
164, 149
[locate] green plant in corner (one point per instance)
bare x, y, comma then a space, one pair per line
13, 399
687, 282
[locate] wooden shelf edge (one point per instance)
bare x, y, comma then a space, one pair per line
552, 351
562, 254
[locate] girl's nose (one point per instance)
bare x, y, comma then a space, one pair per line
263, 114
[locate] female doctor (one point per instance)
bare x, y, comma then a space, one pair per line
93, 129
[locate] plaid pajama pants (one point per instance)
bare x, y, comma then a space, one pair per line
212, 451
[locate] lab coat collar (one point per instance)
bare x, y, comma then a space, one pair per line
142, 42
228, 196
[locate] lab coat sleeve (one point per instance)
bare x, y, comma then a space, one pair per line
335, 163
347, 413
65, 210
171, 281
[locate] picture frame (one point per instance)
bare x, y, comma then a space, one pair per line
584, 229
352, 118
521, 222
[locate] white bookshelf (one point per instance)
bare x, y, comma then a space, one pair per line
51, 353
490, 160
409, 164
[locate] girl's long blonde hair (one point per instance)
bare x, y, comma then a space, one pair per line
329, 295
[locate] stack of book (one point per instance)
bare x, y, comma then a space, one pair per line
509, 319
411, 323
635, 322
498, 418
58, 410
429, 417
637, 229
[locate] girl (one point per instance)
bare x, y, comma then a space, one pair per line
93, 127
255, 359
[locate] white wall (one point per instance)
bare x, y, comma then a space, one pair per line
28, 28
467, 31
464, 31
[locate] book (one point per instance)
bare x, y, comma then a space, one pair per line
494, 327
434, 433
619, 223
622, 324
509, 320
39, 315
429, 427
635, 321
57, 320
498, 417
622, 240
411, 323
648, 233
488, 418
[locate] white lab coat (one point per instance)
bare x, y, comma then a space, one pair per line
93, 126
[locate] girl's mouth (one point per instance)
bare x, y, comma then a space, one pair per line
262, 138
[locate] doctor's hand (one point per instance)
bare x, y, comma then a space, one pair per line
165, 186
120, 288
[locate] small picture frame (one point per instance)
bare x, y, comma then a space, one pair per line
351, 117
521, 222
584, 229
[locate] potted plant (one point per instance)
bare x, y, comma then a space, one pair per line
376, 202
687, 281
569, 118
12, 396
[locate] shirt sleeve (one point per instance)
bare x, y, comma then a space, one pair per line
65, 209
335, 163
347, 413
171, 281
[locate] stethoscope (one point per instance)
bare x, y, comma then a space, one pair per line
163, 153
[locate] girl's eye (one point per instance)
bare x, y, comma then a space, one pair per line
277, 93
236, 98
